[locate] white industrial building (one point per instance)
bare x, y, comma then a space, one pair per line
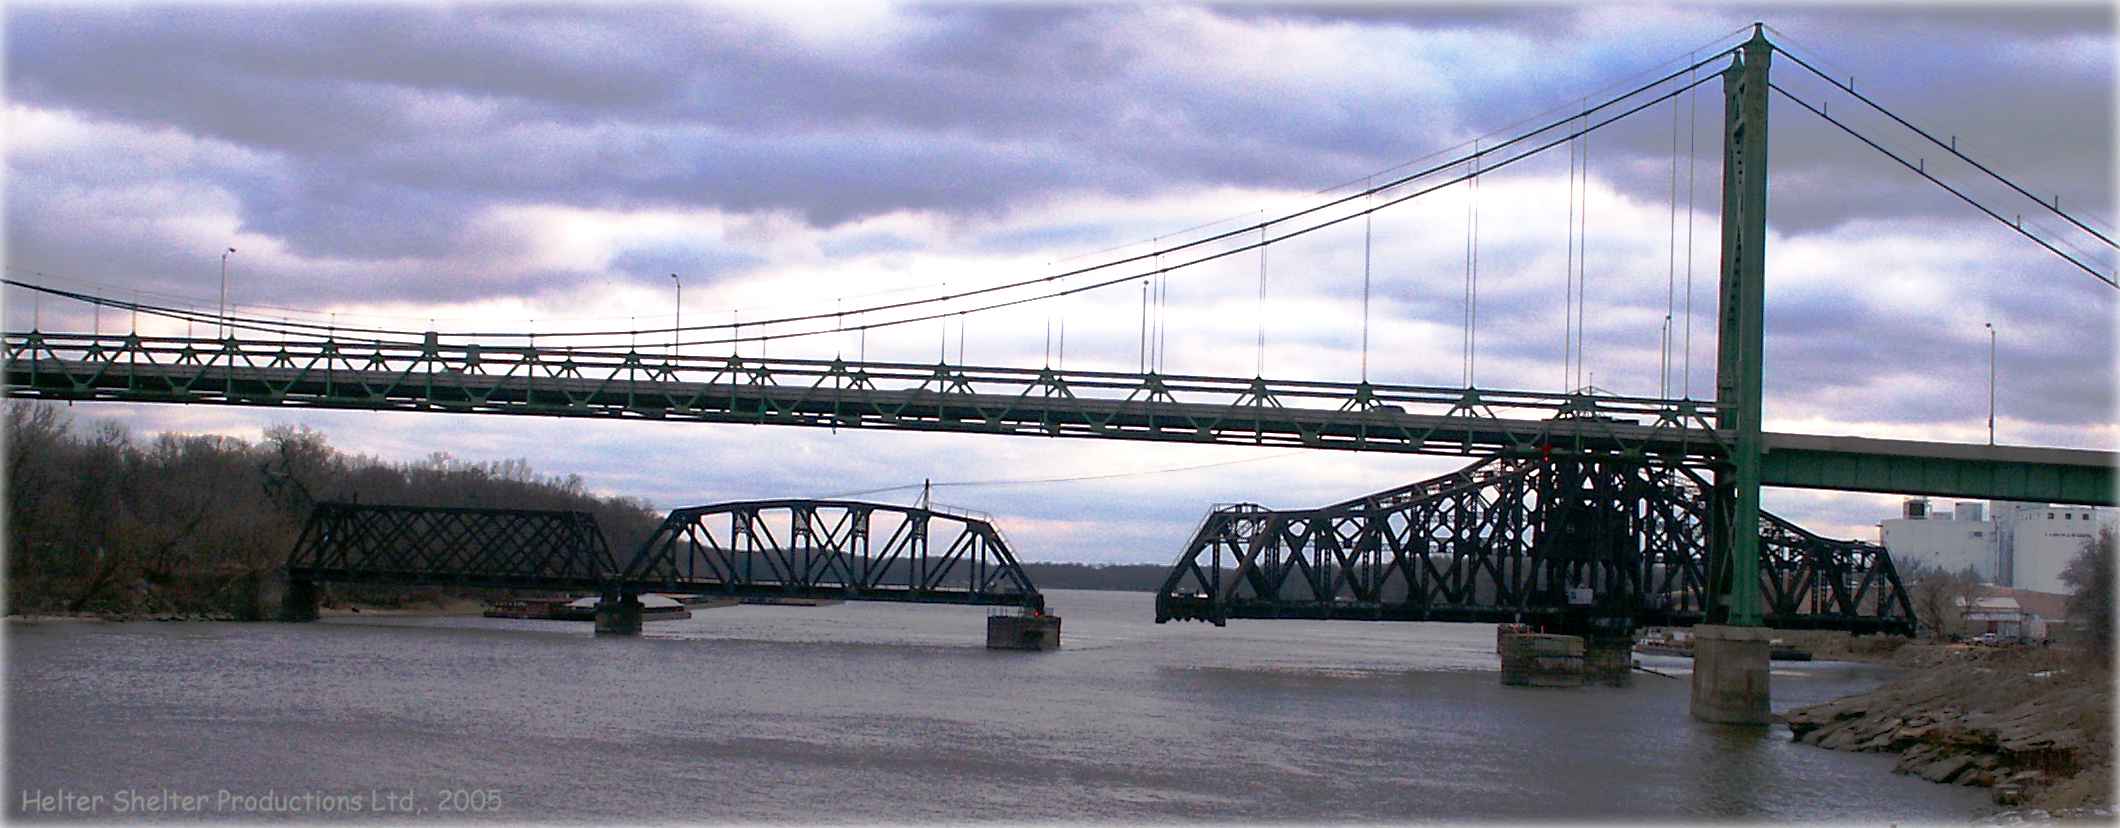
2022, 545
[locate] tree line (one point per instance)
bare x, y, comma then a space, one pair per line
1122, 577
101, 521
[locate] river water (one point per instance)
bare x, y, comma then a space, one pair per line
880, 712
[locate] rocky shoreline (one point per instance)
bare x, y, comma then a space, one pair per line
2033, 725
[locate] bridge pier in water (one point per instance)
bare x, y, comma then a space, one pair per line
298, 601
1608, 651
1730, 675
618, 613
1030, 631
1596, 650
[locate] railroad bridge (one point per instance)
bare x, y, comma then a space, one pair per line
835, 549
1566, 544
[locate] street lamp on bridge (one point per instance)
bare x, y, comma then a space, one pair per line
223, 319
679, 322
1991, 381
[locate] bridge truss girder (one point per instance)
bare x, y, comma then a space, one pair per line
1504, 540
447, 546
845, 550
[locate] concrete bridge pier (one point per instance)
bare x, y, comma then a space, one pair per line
1730, 675
1608, 658
1029, 631
298, 602
618, 613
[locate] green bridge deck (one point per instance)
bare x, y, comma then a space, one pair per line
1433, 420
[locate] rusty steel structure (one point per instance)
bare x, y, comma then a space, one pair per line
833, 549
1542, 540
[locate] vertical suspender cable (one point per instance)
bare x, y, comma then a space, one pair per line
1260, 370
1568, 309
1692, 158
1465, 290
1582, 263
1368, 227
1663, 371
1472, 349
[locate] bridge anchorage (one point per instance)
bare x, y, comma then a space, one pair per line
1589, 546
804, 549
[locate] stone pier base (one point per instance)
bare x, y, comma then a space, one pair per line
1730, 675
1023, 632
618, 614
299, 602
1539, 660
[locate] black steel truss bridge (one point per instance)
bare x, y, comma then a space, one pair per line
844, 550
1535, 541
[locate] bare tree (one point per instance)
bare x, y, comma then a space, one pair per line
2090, 604
1940, 597
189, 523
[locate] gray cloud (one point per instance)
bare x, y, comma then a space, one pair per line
390, 128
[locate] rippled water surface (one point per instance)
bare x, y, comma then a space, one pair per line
867, 712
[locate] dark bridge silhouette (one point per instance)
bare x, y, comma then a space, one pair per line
1508, 540
845, 550
833, 549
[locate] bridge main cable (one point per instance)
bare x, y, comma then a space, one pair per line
273, 326
1919, 170
1951, 147
312, 328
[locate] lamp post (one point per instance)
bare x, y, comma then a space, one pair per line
223, 318
1991, 381
680, 318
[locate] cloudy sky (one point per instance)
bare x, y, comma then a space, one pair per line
546, 166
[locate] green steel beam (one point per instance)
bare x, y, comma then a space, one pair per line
1225, 410
2037, 475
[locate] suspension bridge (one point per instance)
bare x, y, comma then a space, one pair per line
1718, 446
